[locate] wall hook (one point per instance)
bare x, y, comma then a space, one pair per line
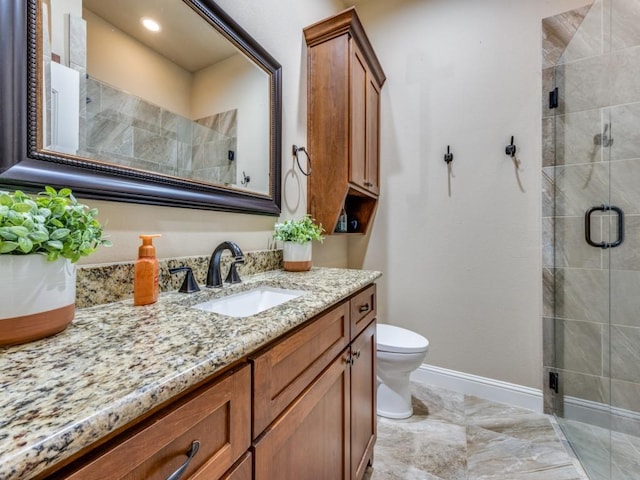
448, 157
510, 149
295, 149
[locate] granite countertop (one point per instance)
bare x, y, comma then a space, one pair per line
115, 362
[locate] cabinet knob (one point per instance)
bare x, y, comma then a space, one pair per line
195, 446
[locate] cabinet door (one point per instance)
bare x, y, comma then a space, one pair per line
358, 107
218, 417
363, 400
311, 439
372, 171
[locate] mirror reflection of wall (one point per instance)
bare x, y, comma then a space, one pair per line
138, 108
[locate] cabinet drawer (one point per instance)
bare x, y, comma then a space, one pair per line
218, 418
281, 373
363, 310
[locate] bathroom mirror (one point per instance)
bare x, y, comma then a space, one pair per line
189, 115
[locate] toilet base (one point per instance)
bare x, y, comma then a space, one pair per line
394, 400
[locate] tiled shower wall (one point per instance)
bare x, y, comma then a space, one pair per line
132, 132
591, 156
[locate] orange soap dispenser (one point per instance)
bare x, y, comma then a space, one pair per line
147, 272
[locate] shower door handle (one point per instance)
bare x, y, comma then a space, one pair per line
587, 226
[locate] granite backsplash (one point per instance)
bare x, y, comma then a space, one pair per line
112, 282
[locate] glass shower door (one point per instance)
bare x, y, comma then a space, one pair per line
596, 238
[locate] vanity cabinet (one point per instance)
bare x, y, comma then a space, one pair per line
344, 79
301, 407
329, 429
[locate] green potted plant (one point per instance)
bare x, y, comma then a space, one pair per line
297, 236
41, 239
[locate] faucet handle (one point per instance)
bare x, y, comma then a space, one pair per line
189, 285
232, 276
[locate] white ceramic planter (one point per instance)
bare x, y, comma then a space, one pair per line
37, 297
296, 256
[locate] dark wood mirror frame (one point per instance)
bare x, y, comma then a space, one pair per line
22, 165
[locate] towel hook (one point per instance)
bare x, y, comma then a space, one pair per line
295, 149
448, 157
510, 149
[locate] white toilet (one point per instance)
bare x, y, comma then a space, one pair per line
400, 352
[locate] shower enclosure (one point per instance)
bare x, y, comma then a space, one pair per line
591, 233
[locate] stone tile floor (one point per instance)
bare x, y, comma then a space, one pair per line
453, 436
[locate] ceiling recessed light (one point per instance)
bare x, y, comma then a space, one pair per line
150, 24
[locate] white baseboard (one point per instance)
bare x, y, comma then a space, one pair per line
487, 388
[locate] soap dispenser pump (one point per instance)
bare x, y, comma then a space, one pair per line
147, 273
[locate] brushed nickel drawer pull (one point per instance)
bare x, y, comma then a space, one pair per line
364, 308
195, 446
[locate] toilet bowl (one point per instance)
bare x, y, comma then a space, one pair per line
400, 352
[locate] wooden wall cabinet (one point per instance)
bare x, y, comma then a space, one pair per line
343, 108
329, 429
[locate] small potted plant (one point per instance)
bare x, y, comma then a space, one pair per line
41, 238
297, 236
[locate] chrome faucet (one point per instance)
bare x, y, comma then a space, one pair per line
213, 273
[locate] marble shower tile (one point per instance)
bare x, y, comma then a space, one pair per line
557, 33
154, 148
548, 242
548, 342
582, 294
625, 353
582, 346
623, 78
625, 178
78, 42
548, 142
548, 292
625, 301
570, 248
575, 137
627, 255
585, 84
106, 135
579, 187
587, 39
625, 18
228, 123
626, 395
586, 387
548, 191
625, 133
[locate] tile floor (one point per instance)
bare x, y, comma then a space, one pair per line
454, 436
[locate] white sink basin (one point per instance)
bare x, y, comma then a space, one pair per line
251, 302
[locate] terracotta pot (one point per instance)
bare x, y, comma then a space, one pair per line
297, 256
37, 297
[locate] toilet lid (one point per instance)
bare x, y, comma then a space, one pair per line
399, 340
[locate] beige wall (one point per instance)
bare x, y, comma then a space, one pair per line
461, 254
277, 25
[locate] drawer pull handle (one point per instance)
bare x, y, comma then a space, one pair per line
364, 308
356, 354
195, 446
